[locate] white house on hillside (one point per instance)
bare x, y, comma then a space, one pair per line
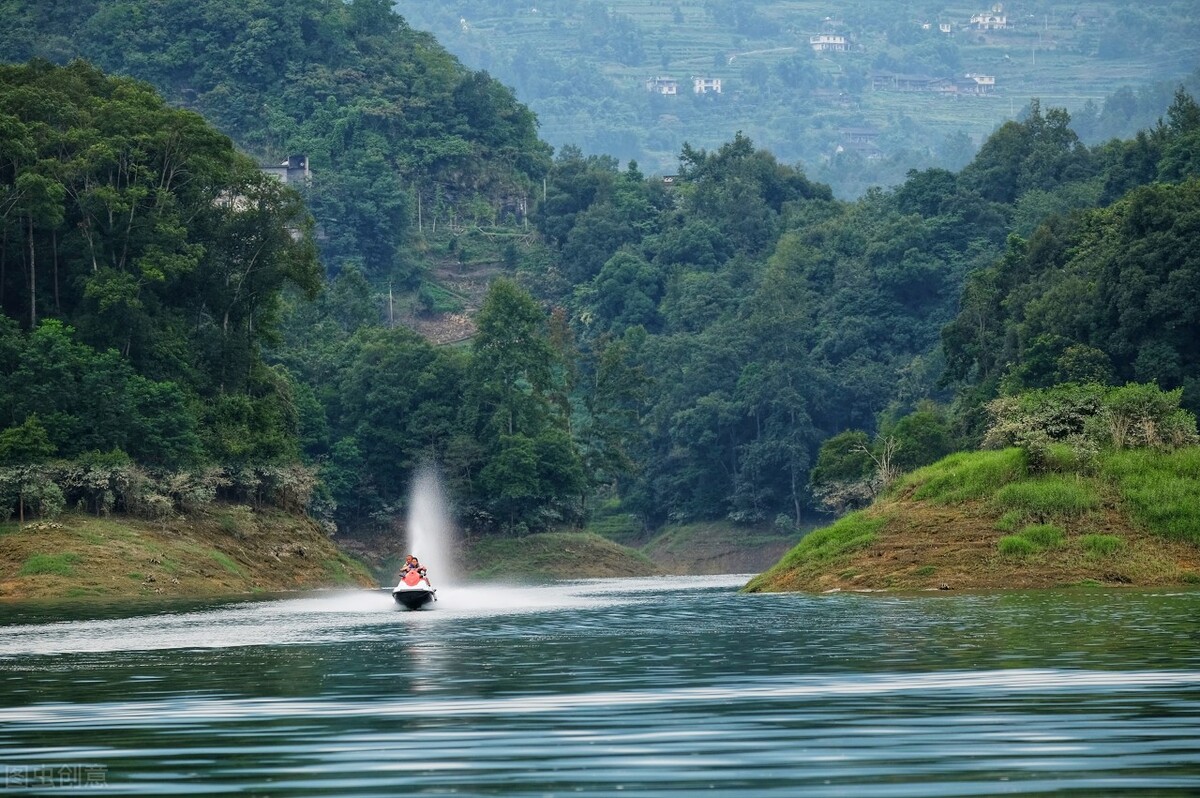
995, 19
665, 86
828, 43
977, 84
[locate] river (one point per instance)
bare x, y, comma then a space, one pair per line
642, 687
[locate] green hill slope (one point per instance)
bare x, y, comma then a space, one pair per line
554, 555
221, 550
982, 520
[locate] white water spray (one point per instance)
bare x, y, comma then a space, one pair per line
430, 530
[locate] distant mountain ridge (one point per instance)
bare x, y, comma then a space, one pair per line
794, 73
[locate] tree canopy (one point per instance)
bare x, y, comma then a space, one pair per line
141, 264
388, 119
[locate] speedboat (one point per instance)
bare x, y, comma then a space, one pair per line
413, 593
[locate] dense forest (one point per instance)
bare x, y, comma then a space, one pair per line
141, 263
146, 262
773, 317
728, 345
393, 126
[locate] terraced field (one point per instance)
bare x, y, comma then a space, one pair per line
582, 66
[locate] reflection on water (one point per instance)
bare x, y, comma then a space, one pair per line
643, 687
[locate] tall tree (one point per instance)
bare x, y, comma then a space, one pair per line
531, 468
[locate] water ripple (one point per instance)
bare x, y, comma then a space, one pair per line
974, 683
654, 688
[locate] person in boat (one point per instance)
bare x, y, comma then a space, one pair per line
414, 573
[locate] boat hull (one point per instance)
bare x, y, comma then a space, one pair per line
414, 598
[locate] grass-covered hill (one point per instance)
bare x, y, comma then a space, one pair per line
224, 549
988, 520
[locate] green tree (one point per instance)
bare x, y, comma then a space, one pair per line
26, 443
532, 471
922, 437
511, 362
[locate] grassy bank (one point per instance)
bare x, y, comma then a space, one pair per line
613, 544
554, 555
225, 550
616, 545
981, 520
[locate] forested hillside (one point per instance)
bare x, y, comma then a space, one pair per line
734, 344
768, 317
145, 262
142, 263
715, 340
857, 92
142, 259
396, 130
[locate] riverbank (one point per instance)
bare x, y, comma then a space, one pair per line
600, 551
231, 549
225, 550
554, 555
981, 520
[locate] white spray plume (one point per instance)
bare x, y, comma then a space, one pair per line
430, 529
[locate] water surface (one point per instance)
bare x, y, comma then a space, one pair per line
640, 687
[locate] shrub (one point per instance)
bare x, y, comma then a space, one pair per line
1084, 418
51, 501
842, 497
922, 437
842, 478
192, 490
28, 490
1145, 415
1044, 536
1101, 545
1055, 414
